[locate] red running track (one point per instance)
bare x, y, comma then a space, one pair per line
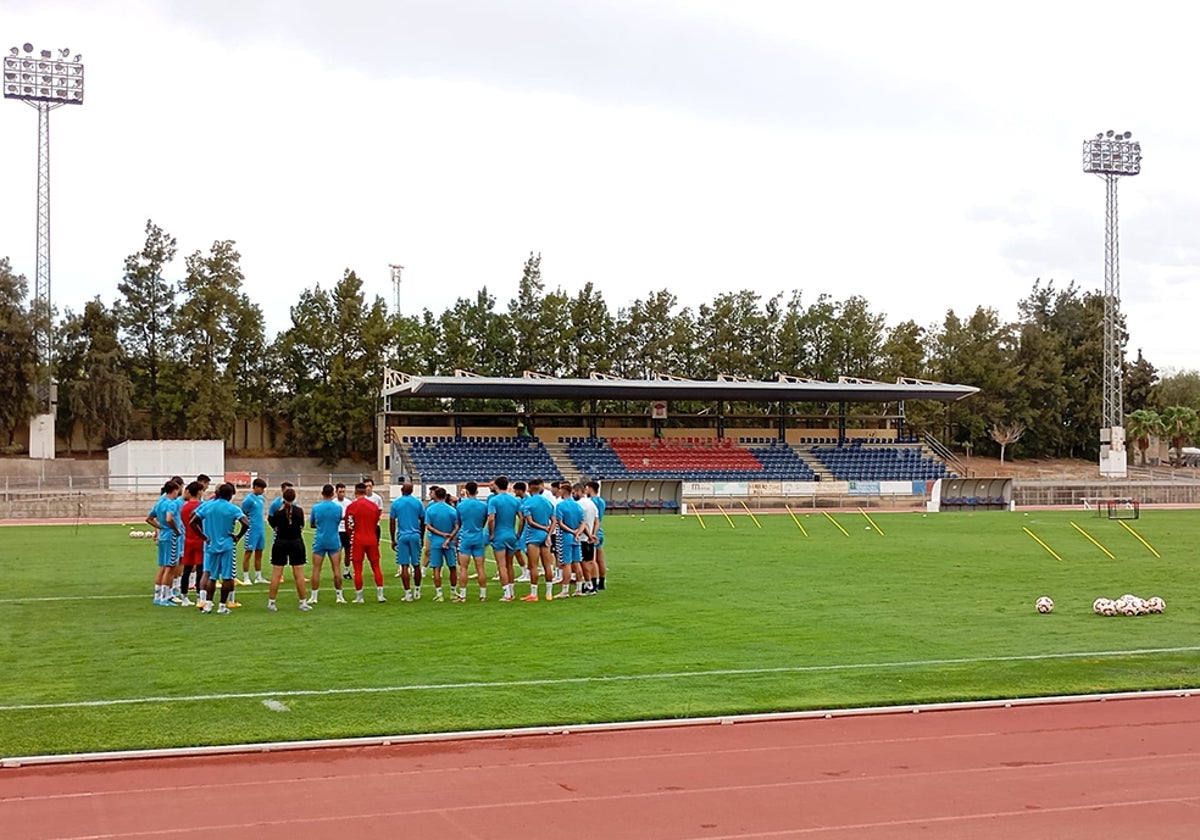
1080, 770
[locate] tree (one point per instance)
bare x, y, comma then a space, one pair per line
535, 339
1178, 388
208, 323
18, 352
146, 315
1179, 424
979, 352
1140, 426
1140, 379
94, 389
333, 358
1006, 434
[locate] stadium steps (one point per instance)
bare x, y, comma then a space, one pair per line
558, 454
814, 463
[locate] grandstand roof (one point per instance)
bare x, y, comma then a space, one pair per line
787, 389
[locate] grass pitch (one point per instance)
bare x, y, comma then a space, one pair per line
696, 621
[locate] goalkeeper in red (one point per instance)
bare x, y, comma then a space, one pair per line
362, 522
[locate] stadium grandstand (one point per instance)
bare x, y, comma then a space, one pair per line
450, 445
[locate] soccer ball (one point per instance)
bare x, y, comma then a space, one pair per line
1155, 604
133, 535
1044, 604
1104, 606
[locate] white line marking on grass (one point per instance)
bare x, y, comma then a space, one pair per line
615, 678
70, 598
275, 706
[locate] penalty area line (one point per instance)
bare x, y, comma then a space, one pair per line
615, 678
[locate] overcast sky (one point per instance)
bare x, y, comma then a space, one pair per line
924, 155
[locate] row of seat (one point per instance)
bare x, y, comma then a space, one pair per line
455, 460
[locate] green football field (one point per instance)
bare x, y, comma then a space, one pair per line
696, 621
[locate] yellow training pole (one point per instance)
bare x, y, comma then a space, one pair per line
797, 521
700, 519
752, 516
872, 521
1042, 544
1093, 540
1139, 536
836, 524
726, 515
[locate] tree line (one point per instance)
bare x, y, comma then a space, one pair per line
190, 358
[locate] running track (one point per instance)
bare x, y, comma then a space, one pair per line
1128, 767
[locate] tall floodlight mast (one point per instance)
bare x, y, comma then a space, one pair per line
396, 270
1111, 155
44, 81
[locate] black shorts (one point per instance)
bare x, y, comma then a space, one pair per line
289, 553
344, 536
588, 550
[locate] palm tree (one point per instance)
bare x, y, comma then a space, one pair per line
1179, 424
1142, 425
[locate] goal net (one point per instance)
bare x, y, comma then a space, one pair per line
1123, 508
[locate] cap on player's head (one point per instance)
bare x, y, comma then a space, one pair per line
260, 483
327, 491
226, 491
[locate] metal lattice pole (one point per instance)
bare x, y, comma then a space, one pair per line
41, 286
45, 80
1113, 409
1109, 156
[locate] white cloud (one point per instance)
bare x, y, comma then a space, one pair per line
926, 156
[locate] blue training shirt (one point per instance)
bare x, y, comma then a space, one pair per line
409, 513
326, 516
252, 507
219, 517
504, 507
472, 513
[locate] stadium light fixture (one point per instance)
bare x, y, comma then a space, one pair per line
1112, 155
44, 83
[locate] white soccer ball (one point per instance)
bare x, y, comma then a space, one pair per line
137, 535
1044, 604
1155, 604
1104, 606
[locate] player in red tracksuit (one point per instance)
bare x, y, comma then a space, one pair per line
362, 522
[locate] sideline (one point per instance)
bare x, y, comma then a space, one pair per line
550, 681
568, 729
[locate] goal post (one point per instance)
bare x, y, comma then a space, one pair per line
1123, 509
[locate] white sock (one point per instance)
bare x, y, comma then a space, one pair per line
314, 596
357, 593
270, 602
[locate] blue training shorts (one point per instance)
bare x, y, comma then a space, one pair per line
256, 540
166, 553
571, 553
219, 564
408, 550
472, 546
535, 536
440, 554
505, 542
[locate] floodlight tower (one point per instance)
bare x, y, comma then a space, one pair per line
46, 81
396, 271
1111, 155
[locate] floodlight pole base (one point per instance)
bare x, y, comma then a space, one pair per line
41, 437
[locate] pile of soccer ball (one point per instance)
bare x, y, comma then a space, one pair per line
137, 535
1129, 605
